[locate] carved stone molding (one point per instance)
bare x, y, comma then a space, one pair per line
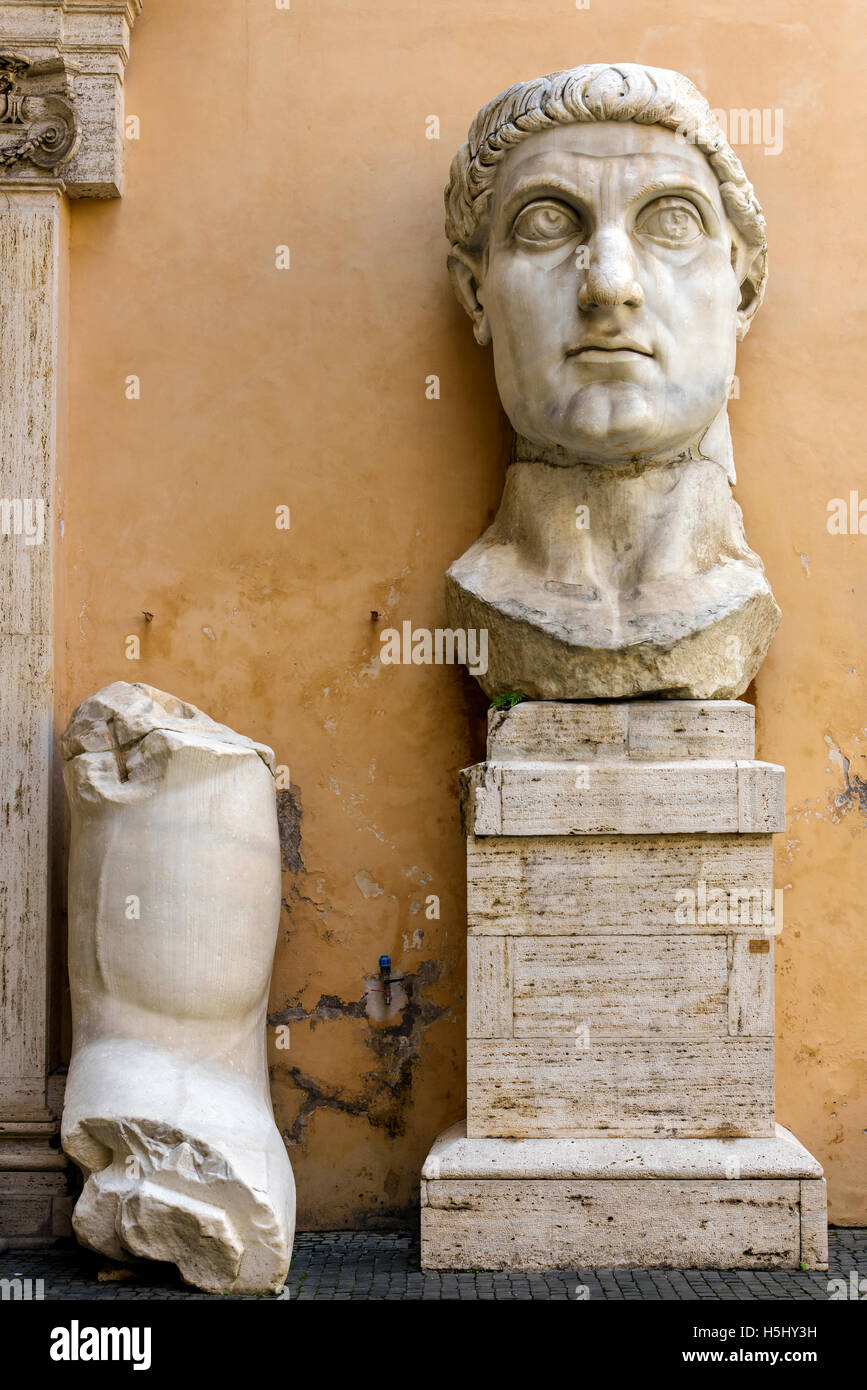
62, 63
37, 122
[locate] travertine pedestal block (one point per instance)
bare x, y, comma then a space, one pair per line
174, 902
620, 1069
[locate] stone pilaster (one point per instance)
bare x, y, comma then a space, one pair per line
61, 132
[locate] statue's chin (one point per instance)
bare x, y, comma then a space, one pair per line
611, 422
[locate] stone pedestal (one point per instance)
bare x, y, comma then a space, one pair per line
620, 1064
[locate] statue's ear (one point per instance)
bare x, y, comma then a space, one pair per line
465, 275
748, 263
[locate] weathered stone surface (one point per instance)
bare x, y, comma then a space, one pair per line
691, 729
814, 1224
780, 1156
558, 1224
615, 985
551, 647
33, 239
489, 988
25, 749
35, 1205
61, 133
620, 985
550, 885
751, 985
620, 964
122, 715
621, 1203
617, 564
544, 1087
618, 796
556, 731
761, 797
174, 900
620, 1054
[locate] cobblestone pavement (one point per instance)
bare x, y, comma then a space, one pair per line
340, 1265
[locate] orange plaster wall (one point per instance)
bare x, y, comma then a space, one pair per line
306, 387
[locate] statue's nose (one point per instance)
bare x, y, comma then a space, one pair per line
611, 277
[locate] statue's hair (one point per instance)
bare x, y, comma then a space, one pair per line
600, 92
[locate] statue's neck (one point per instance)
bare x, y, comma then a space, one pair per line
613, 527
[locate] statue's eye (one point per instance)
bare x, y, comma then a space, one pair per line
546, 223
672, 221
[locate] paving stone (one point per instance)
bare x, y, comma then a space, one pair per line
344, 1266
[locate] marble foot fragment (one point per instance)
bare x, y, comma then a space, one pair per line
174, 901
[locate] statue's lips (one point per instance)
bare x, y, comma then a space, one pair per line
618, 350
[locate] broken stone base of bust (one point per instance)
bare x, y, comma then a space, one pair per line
693, 622
620, 1022
174, 901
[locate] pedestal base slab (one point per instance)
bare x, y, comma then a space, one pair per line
622, 1203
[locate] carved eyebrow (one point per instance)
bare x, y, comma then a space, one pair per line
674, 186
655, 186
670, 185
540, 185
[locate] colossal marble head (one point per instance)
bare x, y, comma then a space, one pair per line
606, 241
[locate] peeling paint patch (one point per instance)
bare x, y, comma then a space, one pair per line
421, 876
289, 815
395, 592
367, 884
329, 1008
387, 1089
854, 793
370, 671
